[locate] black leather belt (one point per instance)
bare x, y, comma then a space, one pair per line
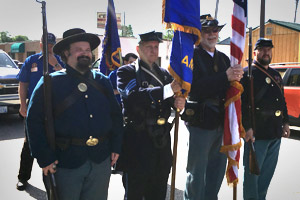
270, 113
64, 143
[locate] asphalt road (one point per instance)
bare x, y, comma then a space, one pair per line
284, 186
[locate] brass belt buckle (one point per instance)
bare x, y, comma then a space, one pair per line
92, 141
161, 121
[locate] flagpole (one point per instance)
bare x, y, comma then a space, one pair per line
174, 154
234, 191
216, 11
262, 18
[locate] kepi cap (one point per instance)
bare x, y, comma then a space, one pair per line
263, 42
76, 35
151, 36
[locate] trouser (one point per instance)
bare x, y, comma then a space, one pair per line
152, 186
26, 161
87, 182
267, 151
206, 165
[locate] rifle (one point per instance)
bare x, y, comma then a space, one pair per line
52, 193
253, 164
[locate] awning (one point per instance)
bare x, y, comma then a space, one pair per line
17, 48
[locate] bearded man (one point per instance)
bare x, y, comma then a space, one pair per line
270, 117
211, 78
88, 122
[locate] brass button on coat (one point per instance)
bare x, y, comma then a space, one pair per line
82, 87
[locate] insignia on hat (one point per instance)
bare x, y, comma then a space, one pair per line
82, 87
209, 17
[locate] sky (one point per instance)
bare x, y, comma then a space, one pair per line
23, 17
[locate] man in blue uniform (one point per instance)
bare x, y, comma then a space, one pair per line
128, 59
87, 122
29, 75
147, 93
211, 79
271, 120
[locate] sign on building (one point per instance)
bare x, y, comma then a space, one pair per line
101, 19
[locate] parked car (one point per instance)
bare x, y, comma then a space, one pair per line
9, 98
290, 73
18, 63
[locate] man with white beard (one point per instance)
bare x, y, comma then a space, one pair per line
211, 79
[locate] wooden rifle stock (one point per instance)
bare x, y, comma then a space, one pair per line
50, 134
253, 164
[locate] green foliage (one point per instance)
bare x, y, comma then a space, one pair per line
127, 31
19, 38
6, 37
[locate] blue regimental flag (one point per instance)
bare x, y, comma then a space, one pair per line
183, 17
111, 48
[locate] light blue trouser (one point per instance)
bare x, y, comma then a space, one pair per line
256, 187
206, 165
88, 182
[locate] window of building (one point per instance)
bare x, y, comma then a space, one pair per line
269, 31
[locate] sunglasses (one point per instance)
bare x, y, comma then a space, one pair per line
210, 30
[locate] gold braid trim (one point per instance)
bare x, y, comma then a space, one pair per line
233, 147
185, 85
239, 86
231, 163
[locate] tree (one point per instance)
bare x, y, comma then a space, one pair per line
6, 37
20, 38
127, 31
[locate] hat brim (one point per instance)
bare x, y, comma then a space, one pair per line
219, 27
260, 46
87, 37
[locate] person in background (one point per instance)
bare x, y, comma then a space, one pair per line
212, 74
87, 122
128, 59
271, 120
147, 93
29, 75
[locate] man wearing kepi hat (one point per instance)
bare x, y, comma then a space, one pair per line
212, 74
147, 93
29, 75
87, 122
271, 120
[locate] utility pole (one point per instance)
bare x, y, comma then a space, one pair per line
262, 19
297, 1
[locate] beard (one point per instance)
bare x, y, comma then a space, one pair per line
265, 61
208, 43
83, 63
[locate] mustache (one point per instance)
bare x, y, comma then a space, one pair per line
83, 57
211, 38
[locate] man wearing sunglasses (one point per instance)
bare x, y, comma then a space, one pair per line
211, 78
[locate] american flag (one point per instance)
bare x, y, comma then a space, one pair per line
233, 129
